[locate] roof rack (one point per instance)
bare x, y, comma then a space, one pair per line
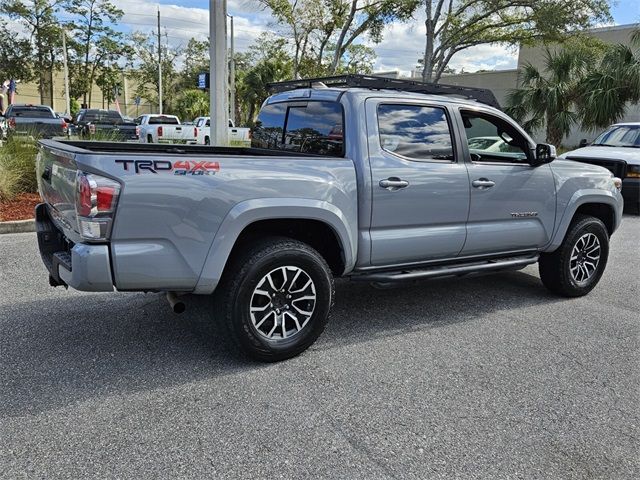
378, 83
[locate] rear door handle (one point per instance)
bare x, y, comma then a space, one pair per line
483, 183
393, 183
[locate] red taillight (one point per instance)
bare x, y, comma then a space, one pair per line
249, 134
12, 123
64, 126
92, 129
195, 132
105, 197
96, 199
160, 131
137, 131
83, 198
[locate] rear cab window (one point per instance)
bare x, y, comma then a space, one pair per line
163, 120
102, 116
314, 127
30, 112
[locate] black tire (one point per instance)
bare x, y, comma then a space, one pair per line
555, 267
207, 141
237, 290
149, 139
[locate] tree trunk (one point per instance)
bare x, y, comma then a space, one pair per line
86, 60
427, 61
554, 136
337, 54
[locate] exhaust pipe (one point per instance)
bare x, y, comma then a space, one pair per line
177, 305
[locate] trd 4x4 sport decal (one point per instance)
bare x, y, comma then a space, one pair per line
179, 167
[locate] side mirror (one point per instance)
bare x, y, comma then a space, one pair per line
545, 153
583, 143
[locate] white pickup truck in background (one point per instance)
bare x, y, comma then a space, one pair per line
156, 128
238, 137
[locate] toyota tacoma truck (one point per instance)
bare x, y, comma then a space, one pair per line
359, 178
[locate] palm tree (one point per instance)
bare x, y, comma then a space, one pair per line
608, 90
549, 98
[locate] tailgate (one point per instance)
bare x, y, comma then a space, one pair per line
56, 173
39, 127
181, 132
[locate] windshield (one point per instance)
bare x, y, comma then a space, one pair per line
620, 136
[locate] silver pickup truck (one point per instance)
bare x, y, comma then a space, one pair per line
378, 185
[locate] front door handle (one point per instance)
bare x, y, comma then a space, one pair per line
393, 183
483, 183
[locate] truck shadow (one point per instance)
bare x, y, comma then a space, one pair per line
74, 347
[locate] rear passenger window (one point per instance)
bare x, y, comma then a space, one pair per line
306, 127
268, 130
415, 131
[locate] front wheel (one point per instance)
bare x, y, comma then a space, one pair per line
275, 298
576, 267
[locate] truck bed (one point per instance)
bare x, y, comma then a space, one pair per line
178, 203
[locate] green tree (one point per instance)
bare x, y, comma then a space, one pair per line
609, 89
267, 62
549, 98
455, 25
367, 17
145, 72
15, 56
38, 17
109, 79
323, 31
192, 103
196, 61
98, 41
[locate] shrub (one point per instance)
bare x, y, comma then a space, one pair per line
17, 168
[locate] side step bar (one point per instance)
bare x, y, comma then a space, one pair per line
511, 263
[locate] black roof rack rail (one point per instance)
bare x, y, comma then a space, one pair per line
378, 83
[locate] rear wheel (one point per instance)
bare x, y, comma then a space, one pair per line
207, 141
576, 267
149, 139
275, 298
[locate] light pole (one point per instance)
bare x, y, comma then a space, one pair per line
159, 66
67, 100
232, 78
219, 81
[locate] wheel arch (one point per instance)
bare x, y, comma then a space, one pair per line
607, 208
320, 224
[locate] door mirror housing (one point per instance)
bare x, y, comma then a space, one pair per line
545, 153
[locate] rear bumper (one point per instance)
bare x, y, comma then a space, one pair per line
80, 266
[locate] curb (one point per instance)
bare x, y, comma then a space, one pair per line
18, 226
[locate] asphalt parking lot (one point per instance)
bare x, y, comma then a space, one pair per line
487, 377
